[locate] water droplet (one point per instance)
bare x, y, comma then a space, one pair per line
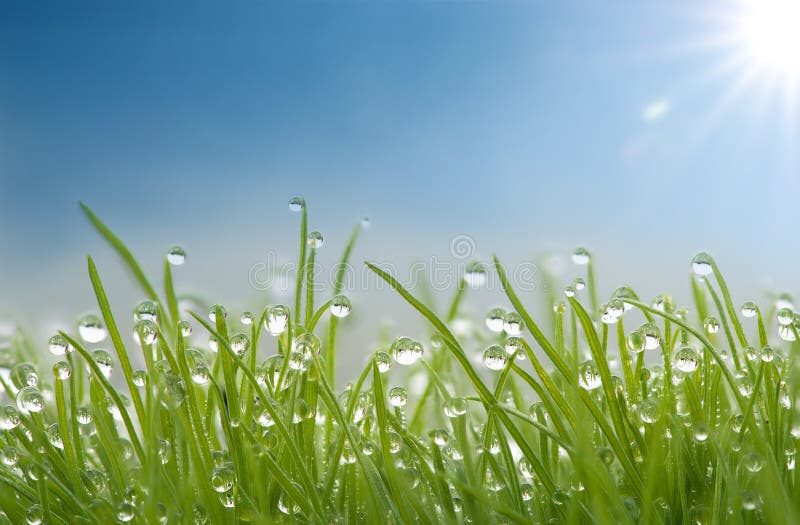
711, 325
569, 291
58, 345
246, 318
406, 351
287, 505
125, 512
606, 455
91, 329
383, 361
767, 354
307, 345
495, 357
687, 360
29, 400
579, 284
9, 418
581, 257
62, 371
176, 255
297, 204
146, 332
341, 306
750, 500
785, 316
24, 374
494, 319
611, 312
512, 323
648, 410
749, 309
787, 333
200, 375
34, 515
146, 310
277, 319
315, 239
104, 361
240, 343
439, 436
589, 376
84, 415
663, 303
635, 341
753, 462
223, 478
455, 406
525, 468
398, 397
702, 264
139, 377
9, 456
652, 336
185, 327
475, 274
212, 312
701, 432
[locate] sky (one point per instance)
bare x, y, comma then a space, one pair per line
529, 127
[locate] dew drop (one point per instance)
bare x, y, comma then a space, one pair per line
406, 351
652, 336
589, 376
185, 328
223, 478
58, 345
687, 360
240, 343
494, 319
475, 274
635, 341
146, 310
785, 316
711, 325
341, 306
512, 323
176, 256
702, 264
749, 309
581, 257
383, 361
212, 312
277, 319
30, 400
315, 239
455, 406
104, 361
296, 204
91, 329
62, 371
398, 397
648, 410
495, 357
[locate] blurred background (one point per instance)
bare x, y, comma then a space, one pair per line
645, 131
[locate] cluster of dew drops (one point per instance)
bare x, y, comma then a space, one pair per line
406, 351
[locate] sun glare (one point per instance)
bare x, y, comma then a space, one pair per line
771, 35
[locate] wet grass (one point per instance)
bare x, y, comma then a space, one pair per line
623, 412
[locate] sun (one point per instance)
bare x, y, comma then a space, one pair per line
770, 36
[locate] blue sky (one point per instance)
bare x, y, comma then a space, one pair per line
522, 124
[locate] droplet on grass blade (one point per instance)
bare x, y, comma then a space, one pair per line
176, 256
702, 264
581, 257
494, 319
406, 351
495, 357
91, 329
341, 306
687, 360
315, 239
296, 204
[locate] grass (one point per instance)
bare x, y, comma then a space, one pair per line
624, 412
